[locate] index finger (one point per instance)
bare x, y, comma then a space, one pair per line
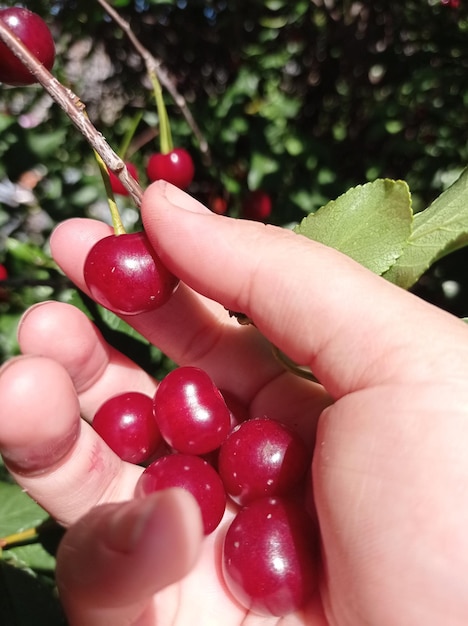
352, 327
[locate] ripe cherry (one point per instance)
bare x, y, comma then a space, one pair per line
193, 474
117, 186
218, 205
256, 206
269, 558
35, 34
261, 457
190, 411
175, 167
124, 274
126, 423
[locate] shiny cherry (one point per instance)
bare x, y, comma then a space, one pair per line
126, 423
269, 559
36, 36
124, 274
193, 474
190, 411
175, 167
262, 457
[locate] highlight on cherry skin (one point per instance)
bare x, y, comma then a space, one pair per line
193, 474
175, 167
191, 412
269, 561
125, 275
126, 423
262, 457
35, 35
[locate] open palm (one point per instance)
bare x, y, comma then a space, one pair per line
388, 427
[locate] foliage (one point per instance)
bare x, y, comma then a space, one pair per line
323, 104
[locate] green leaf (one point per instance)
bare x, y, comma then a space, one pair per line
437, 231
370, 223
19, 512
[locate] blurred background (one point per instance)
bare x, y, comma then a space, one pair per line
297, 100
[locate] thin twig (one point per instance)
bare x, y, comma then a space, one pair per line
74, 108
155, 65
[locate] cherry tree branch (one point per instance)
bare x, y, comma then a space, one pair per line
154, 65
75, 110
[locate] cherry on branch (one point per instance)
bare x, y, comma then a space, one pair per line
256, 206
175, 167
35, 35
125, 275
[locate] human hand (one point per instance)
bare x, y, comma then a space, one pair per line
389, 470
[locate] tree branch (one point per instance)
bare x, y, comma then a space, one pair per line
155, 65
74, 108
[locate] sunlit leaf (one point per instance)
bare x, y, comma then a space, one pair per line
370, 223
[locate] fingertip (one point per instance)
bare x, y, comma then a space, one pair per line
164, 194
71, 241
138, 548
62, 332
39, 423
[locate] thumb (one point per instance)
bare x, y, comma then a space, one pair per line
321, 308
115, 558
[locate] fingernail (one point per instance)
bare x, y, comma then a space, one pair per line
128, 524
181, 199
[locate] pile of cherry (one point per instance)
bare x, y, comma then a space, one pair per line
193, 436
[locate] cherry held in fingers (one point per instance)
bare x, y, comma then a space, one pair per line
126, 423
261, 457
36, 36
124, 274
193, 474
269, 557
191, 412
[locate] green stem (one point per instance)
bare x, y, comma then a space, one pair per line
115, 215
20, 537
165, 136
129, 135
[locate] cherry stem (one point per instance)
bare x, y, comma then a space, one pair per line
119, 228
128, 137
154, 67
20, 537
165, 136
75, 110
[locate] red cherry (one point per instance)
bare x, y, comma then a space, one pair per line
256, 206
190, 411
219, 205
261, 457
117, 185
126, 423
36, 36
175, 167
124, 274
268, 557
193, 474
3, 272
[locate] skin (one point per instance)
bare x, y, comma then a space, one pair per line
388, 428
